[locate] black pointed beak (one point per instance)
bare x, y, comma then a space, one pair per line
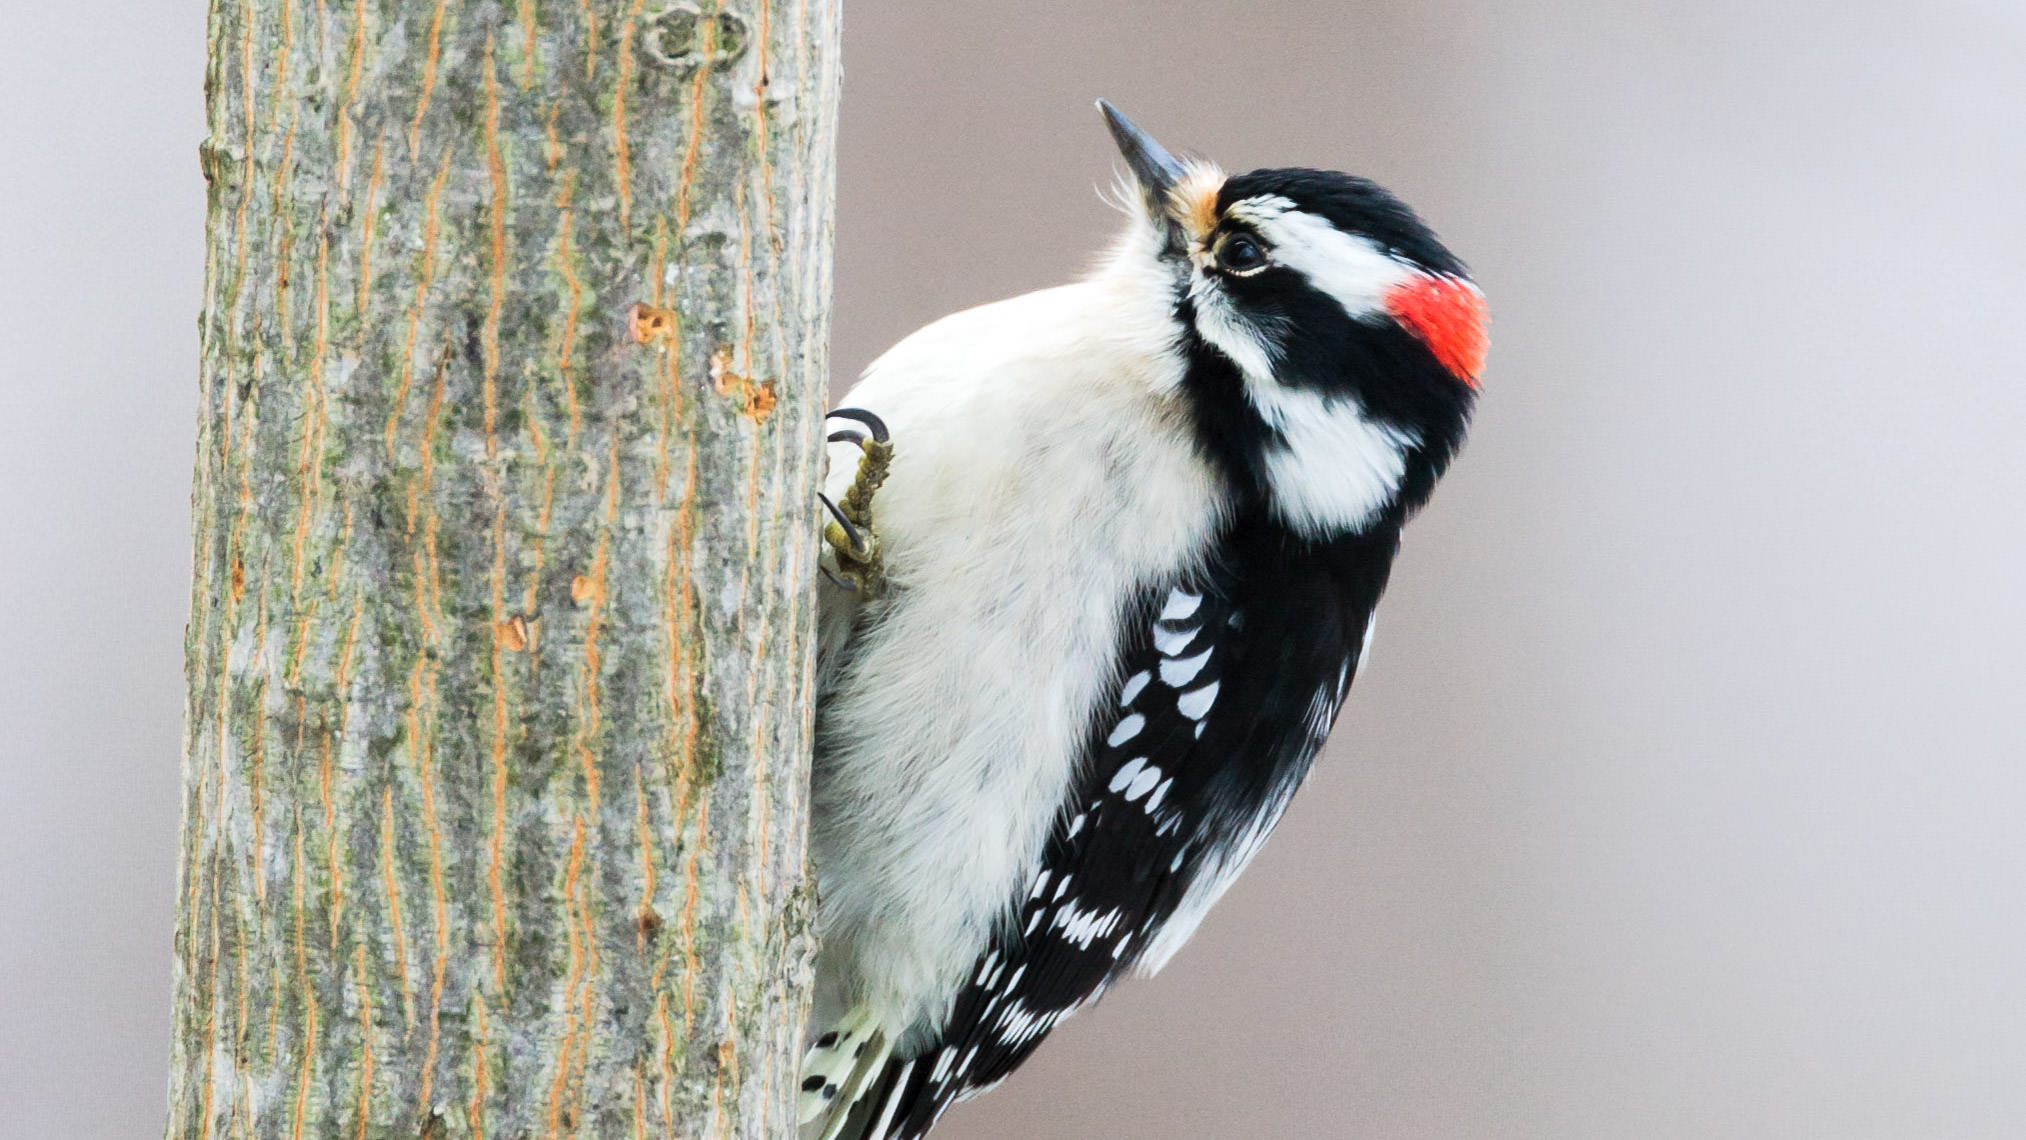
1156, 170
1151, 163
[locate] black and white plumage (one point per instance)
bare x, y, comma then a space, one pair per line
1135, 531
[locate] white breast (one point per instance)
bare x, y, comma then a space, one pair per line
1043, 470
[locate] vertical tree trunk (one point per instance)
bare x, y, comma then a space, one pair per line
500, 644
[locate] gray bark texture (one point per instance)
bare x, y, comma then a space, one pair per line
502, 631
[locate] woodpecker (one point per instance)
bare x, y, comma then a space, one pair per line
1102, 573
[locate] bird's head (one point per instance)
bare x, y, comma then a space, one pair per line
1335, 344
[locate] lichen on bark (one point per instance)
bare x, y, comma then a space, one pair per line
499, 658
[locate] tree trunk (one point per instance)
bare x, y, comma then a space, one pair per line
501, 637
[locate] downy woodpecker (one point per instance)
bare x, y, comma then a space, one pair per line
1080, 647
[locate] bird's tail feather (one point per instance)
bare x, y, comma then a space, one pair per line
837, 1072
882, 1104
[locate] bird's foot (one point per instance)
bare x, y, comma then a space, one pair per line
853, 544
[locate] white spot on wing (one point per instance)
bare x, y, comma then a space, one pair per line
1181, 604
1171, 642
1142, 783
1132, 688
1127, 774
1084, 927
1180, 671
1160, 793
1195, 703
1129, 727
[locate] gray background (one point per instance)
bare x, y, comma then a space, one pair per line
1684, 796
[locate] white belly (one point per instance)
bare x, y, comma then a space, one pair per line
1027, 502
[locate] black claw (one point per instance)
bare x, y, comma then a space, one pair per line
850, 530
841, 436
877, 425
838, 582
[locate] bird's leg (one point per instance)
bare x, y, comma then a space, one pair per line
850, 533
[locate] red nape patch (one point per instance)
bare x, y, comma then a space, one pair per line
1448, 315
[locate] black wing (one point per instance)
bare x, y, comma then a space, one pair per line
1230, 682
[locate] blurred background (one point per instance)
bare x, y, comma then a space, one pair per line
1684, 796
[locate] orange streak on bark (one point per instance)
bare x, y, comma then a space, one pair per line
667, 1051
590, 39
570, 983
528, 42
429, 65
622, 166
696, 107
427, 278
350, 110
552, 153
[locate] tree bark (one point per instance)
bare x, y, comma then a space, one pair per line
501, 637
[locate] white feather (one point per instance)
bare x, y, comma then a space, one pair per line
1338, 468
951, 727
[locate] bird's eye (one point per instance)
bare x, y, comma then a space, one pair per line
1240, 253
